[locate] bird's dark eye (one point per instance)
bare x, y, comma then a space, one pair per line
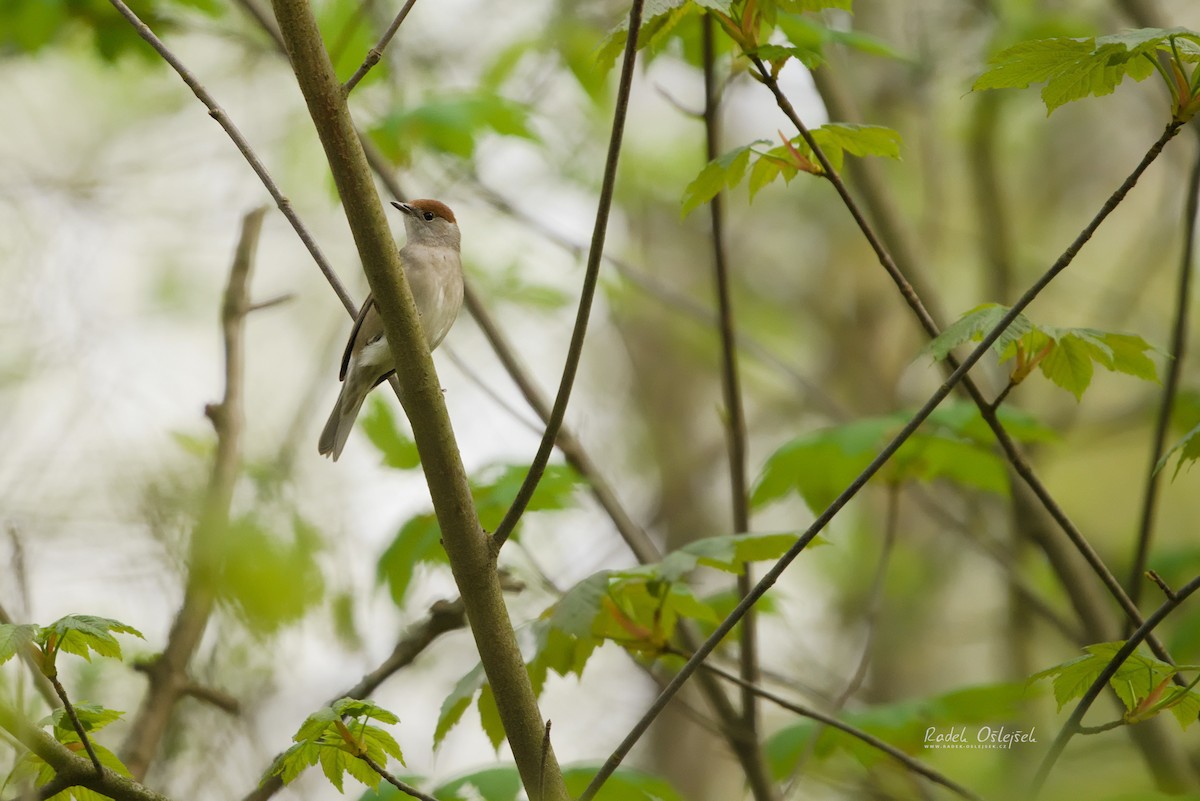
428, 216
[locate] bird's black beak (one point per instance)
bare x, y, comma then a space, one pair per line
405, 208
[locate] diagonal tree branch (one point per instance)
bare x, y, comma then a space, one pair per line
772, 575
72, 770
988, 410
468, 548
914, 765
1072, 726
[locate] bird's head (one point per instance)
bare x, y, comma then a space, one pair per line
430, 223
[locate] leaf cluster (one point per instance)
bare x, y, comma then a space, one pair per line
787, 160
955, 445
32, 768
341, 738
81, 635
1142, 682
1074, 68
638, 609
1066, 356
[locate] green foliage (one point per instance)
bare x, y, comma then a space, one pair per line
509, 286
953, 445
396, 447
1077, 68
902, 725
451, 124
92, 717
625, 784
31, 768
81, 635
419, 540
638, 608
1066, 356
268, 581
1188, 448
1142, 682
29, 27
340, 737
794, 156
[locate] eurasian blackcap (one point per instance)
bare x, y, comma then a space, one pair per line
434, 270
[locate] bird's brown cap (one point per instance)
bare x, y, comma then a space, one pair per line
435, 207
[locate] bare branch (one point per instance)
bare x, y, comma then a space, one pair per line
1162, 425
243, 146
168, 673
376, 52
591, 276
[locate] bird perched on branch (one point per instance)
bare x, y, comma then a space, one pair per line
433, 267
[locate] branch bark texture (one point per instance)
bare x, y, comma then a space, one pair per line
466, 545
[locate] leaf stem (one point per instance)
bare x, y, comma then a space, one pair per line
403, 787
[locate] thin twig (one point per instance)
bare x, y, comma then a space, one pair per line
1071, 727
443, 617
1162, 426
376, 52
403, 787
72, 770
735, 415
76, 723
772, 575
1011, 451
591, 276
243, 146
912, 764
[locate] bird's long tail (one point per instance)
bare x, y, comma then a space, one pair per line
341, 422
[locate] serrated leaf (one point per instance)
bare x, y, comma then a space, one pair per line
1188, 448
92, 717
973, 326
1184, 705
1076, 68
316, 724
379, 424
723, 172
362, 708
14, 637
456, 703
857, 140
419, 541
1069, 365
1134, 680
489, 716
83, 634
